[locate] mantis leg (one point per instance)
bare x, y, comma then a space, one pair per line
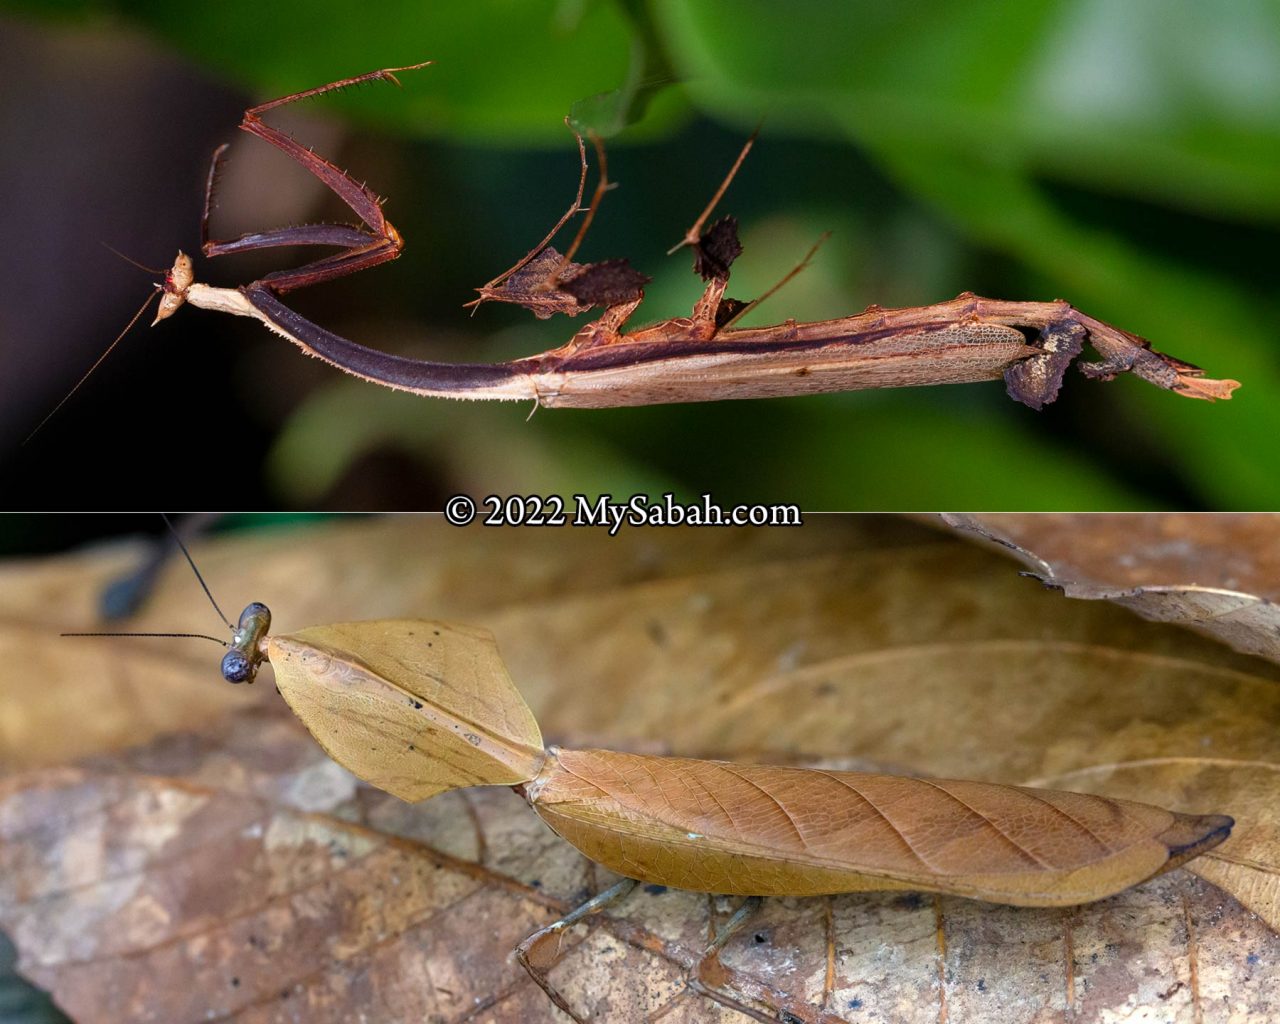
362, 200
709, 979
708, 976
363, 248
538, 961
487, 289
604, 330
706, 310
307, 234
693, 237
341, 235
546, 282
714, 252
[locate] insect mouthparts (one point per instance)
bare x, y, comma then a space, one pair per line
176, 282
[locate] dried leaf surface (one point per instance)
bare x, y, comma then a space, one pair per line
776, 830
1247, 864
870, 644
413, 707
1218, 574
115, 884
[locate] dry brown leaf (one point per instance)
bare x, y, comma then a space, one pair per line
1247, 864
857, 638
1218, 574
417, 708
1003, 710
778, 830
117, 883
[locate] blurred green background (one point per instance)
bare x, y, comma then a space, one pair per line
1122, 155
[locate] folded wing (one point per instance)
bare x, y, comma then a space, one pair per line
761, 830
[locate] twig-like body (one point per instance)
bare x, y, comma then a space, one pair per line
686, 359
962, 341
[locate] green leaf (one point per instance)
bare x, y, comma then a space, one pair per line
504, 71
1175, 99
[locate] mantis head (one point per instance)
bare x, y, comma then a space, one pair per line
173, 293
248, 642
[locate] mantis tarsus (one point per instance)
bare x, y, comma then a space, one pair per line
418, 708
701, 357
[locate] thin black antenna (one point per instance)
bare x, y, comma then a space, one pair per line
179, 636
191, 562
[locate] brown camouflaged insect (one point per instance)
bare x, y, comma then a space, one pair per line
702, 357
418, 708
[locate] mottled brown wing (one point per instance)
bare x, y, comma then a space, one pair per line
759, 830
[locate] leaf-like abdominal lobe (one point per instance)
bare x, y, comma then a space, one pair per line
757, 830
415, 708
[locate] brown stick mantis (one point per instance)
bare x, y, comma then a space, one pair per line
417, 708
701, 357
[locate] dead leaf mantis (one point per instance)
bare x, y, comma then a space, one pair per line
417, 708
701, 357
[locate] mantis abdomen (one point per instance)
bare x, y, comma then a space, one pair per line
761, 830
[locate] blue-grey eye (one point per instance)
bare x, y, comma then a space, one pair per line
237, 667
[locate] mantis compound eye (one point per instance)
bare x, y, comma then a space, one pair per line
238, 667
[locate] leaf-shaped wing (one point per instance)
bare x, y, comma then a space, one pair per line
1248, 864
764, 830
412, 707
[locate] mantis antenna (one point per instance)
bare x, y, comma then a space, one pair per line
89, 372
240, 663
192, 562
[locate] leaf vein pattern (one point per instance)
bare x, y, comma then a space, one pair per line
882, 816
226, 920
729, 769
1071, 818
994, 827
733, 822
